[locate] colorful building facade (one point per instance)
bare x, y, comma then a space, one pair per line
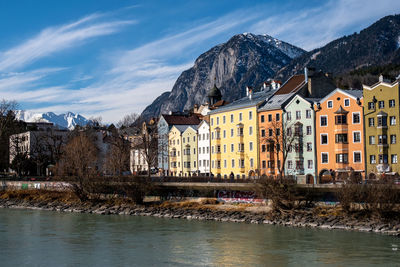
381, 111
301, 157
234, 137
339, 135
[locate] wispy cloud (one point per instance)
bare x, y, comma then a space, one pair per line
310, 28
55, 39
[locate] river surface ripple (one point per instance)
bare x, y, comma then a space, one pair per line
45, 238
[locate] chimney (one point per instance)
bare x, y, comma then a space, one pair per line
305, 74
250, 93
381, 78
247, 90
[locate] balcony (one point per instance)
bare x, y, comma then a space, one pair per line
383, 167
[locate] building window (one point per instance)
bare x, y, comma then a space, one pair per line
218, 164
371, 105
250, 130
323, 120
372, 140
382, 139
240, 131
357, 157
381, 104
299, 164
251, 163
341, 139
269, 117
330, 104
309, 146
310, 164
392, 120
298, 115
224, 148
225, 163
324, 139
263, 148
383, 159
371, 122
271, 164
309, 131
264, 164
347, 102
231, 118
382, 121
217, 120
263, 133
233, 163
251, 146
270, 132
250, 115
212, 121
393, 158
392, 103
340, 119
232, 132
278, 132
290, 164
324, 158
240, 116
372, 159
308, 114
241, 163
393, 139
356, 118
356, 137
224, 119
224, 133
277, 117
240, 147
289, 116
262, 118
232, 147
342, 158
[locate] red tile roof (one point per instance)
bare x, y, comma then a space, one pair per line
292, 85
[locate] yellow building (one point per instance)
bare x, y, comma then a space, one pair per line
189, 148
182, 150
234, 137
381, 113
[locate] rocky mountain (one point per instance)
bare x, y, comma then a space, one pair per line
64, 121
376, 45
246, 59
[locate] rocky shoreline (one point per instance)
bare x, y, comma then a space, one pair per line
305, 218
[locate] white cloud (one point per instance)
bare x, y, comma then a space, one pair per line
314, 27
55, 39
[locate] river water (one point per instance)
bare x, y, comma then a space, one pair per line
45, 238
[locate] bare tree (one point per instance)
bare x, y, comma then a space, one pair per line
147, 145
281, 139
128, 120
79, 160
8, 126
117, 159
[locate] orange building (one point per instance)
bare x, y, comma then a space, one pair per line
340, 135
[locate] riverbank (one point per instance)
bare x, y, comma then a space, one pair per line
322, 217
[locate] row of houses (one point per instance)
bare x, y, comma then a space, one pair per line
306, 128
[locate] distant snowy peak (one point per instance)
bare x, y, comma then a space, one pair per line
67, 121
286, 48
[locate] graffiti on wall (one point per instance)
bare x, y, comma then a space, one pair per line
238, 197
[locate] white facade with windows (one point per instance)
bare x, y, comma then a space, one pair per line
203, 144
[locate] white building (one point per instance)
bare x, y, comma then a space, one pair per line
203, 148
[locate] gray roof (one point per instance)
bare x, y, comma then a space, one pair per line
183, 128
355, 93
256, 99
276, 102
313, 100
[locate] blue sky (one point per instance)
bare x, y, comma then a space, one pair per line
111, 58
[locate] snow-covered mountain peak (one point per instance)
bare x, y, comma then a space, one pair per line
67, 121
